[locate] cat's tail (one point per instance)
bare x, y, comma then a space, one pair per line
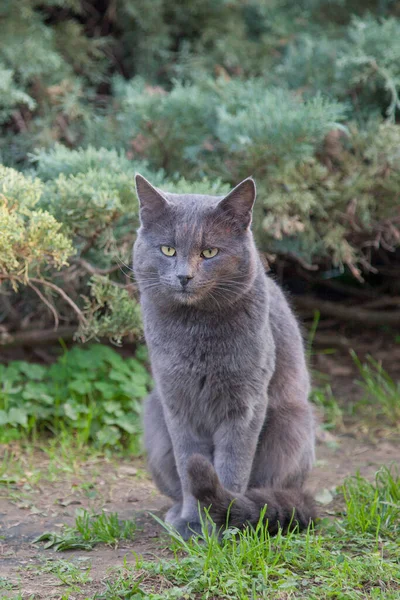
287, 508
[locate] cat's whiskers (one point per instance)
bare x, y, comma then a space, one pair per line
124, 264
223, 295
147, 279
151, 286
213, 296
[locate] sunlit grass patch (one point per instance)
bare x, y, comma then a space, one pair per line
374, 508
354, 557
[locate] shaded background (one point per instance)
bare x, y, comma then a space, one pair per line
195, 95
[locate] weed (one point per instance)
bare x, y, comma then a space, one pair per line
91, 394
323, 397
125, 585
379, 388
6, 584
88, 531
321, 394
68, 573
374, 508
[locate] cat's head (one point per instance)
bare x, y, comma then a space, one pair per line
193, 249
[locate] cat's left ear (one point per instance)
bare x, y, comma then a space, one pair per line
238, 204
153, 205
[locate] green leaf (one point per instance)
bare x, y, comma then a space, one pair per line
80, 386
70, 411
108, 436
3, 417
107, 389
17, 416
33, 371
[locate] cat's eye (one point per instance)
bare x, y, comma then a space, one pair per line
168, 250
209, 252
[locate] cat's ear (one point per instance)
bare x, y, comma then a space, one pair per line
152, 202
238, 204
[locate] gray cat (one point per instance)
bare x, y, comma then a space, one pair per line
229, 413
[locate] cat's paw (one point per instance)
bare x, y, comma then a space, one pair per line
173, 513
186, 528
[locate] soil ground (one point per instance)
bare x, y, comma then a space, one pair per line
124, 489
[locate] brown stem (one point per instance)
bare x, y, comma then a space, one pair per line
61, 292
92, 270
19, 120
383, 301
53, 286
348, 290
47, 303
292, 256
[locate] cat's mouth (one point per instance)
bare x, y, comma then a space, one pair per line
185, 293
186, 296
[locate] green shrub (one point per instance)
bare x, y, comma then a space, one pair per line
30, 238
194, 95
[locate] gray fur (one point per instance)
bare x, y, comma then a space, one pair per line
231, 381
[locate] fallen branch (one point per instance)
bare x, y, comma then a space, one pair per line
372, 318
36, 336
331, 339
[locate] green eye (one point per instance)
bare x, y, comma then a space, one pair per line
168, 250
209, 252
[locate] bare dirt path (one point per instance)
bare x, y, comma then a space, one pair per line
26, 511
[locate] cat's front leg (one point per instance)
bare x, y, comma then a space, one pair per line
235, 444
184, 517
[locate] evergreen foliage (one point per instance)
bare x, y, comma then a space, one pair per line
195, 96
30, 238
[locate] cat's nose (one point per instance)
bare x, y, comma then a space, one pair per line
184, 279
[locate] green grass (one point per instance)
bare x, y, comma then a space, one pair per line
29, 463
91, 395
71, 574
323, 397
379, 389
321, 393
354, 556
88, 531
5, 584
374, 508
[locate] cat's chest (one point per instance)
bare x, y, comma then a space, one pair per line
206, 369
198, 346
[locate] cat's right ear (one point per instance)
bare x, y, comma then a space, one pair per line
152, 202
